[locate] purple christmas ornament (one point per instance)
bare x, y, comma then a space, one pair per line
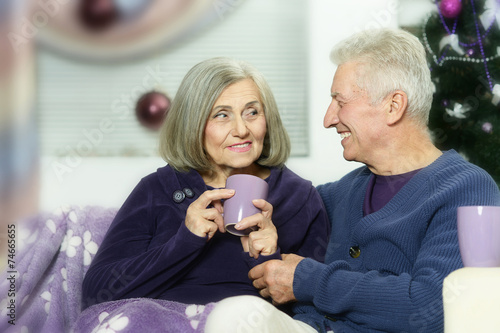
151, 109
450, 8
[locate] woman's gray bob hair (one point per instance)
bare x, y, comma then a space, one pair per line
182, 134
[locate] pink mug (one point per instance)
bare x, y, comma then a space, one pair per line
479, 235
239, 206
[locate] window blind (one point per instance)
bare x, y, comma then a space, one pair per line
88, 109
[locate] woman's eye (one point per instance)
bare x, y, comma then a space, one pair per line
252, 112
220, 115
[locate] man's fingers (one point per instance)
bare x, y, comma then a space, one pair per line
259, 284
265, 293
256, 272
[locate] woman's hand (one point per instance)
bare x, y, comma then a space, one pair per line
265, 239
204, 221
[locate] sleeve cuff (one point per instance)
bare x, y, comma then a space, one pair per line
252, 262
185, 235
306, 278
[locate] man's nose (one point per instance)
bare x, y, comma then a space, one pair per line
331, 116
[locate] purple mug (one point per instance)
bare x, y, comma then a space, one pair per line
239, 206
479, 235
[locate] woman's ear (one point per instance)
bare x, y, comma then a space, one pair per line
397, 107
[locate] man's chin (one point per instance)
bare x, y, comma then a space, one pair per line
348, 157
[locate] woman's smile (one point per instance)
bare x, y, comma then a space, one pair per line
241, 147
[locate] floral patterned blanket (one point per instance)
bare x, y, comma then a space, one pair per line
40, 289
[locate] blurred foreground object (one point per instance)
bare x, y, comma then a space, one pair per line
471, 300
98, 14
110, 30
18, 127
463, 44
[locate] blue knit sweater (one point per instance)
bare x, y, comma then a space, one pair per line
406, 249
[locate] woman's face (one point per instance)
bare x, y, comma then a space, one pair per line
236, 127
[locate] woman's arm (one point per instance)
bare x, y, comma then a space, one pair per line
147, 249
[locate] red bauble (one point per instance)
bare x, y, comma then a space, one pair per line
97, 15
450, 8
151, 109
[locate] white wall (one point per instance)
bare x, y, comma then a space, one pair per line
331, 21
108, 181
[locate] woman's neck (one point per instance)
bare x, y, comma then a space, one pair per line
217, 178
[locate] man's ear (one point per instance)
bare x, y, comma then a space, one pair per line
398, 103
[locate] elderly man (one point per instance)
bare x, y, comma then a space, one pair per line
394, 234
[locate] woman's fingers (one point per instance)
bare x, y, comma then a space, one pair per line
211, 197
263, 241
244, 243
264, 206
261, 220
214, 216
204, 215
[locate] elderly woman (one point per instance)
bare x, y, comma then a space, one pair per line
168, 241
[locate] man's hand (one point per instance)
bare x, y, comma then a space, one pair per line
274, 278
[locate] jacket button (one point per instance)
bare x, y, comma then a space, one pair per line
354, 251
178, 196
188, 192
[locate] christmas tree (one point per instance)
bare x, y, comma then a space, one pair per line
462, 38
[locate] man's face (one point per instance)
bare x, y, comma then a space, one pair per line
359, 123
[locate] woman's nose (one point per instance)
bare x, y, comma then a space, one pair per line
240, 128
